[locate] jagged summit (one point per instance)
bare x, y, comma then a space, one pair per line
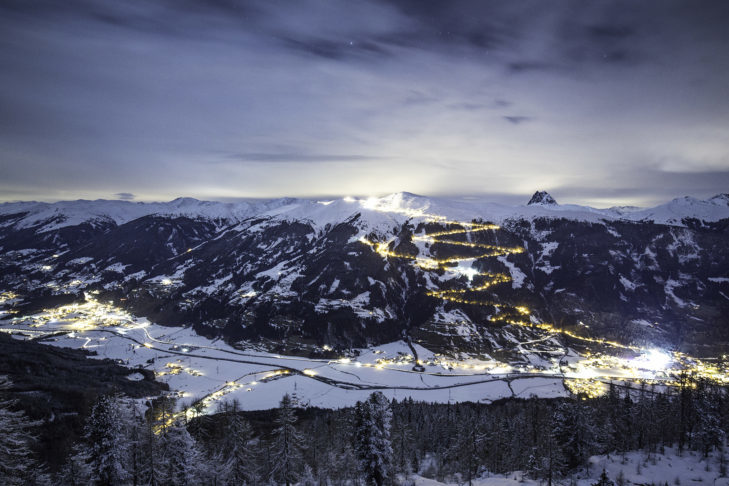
720, 199
543, 198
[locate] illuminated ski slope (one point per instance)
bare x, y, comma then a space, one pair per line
583, 377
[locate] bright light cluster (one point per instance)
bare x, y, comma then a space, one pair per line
430, 263
7, 296
653, 360
586, 387
587, 377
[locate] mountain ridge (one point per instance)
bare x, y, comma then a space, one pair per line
69, 213
458, 276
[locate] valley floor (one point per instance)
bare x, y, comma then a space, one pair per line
203, 371
198, 368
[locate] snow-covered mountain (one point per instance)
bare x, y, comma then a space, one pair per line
457, 274
48, 216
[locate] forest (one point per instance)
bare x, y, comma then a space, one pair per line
377, 442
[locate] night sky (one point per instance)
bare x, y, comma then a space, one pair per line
598, 102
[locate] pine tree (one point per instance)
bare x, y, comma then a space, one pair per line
17, 464
287, 444
308, 479
135, 432
575, 432
402, 441
76, 471
467, 446
709, 434
373, 446
179, 457
151, 472
235, 455
604, 480
553, 462
344, 465
623, 429
686, 407
108, 447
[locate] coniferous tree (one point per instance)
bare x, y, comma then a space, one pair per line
235, 456
179, 458
709, 434
623, 425
307, 478
553, 461
151, 468
373, 446
604, 480
467, 447
75, 471
135, 426
402, 440
107, 444
686, 414
575, 433
287, 444
345, 465
17, 461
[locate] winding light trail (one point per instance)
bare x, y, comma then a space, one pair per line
458, 235
514, 314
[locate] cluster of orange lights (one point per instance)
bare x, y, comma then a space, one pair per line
463, 296
459, 296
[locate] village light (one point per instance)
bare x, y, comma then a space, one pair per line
653, 360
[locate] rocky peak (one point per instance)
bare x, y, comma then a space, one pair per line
543, 198
720, 199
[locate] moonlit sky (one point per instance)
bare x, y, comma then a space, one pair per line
598, 102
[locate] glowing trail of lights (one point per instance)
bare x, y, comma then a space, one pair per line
430, 263
591, 386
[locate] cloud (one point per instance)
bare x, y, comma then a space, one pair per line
223, 98
339, 49
124, 196
629, 187
517, 120
298, 157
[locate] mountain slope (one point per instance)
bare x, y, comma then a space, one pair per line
352, 272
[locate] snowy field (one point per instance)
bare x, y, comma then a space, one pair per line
198, 368
637, 468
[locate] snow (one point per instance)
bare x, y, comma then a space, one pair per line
688, 468
274, 272
196, 366
718, 279
215, 286
517, 276
637, 468
116, 267
547, 268
669, 286
629, 285
673, 212
70, 213
642, 322
548, 249
138, 275
79, 261
375, 214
